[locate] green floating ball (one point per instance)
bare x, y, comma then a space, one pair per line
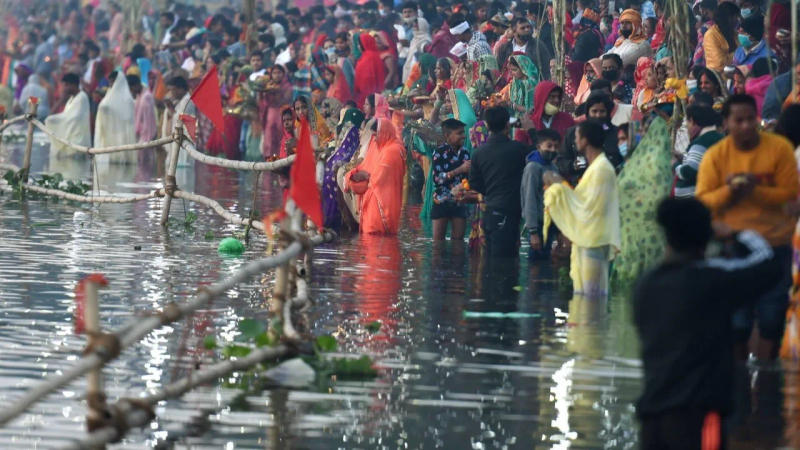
231, 246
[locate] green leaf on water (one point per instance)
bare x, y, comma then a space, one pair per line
251, 327
45, 224
373, 327
209, 343
237, 351
263, 340
190, 218
349, 368
326, 343
517, 288
209, 236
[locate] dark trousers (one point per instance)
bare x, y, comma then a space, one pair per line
502, 234
677, 430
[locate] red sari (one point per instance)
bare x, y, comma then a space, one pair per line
339, 89
370, 71
382, 197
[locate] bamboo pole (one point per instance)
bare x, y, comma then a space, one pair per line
94, 379
140, 327
559, 17
26, 161
169, 177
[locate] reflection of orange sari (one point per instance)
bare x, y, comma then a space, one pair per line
379, 282
382, 196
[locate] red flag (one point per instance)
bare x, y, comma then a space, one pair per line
190, 123
303, 189
208, 100
80, 299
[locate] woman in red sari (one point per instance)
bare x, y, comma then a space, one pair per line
370, 71
338, 87
379, 180
277, 94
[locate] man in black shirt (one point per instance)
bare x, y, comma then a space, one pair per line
682, 310
496, 173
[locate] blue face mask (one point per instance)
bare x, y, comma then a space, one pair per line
623, 149
744, 40
746, 12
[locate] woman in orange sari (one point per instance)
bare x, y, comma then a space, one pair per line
379, 181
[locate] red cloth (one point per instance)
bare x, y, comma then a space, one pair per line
370, 71
442, 42
339, 89
208, 100
779, 17
561, 121
659, 35
80, 299
303, 189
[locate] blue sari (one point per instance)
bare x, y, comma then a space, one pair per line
343, 154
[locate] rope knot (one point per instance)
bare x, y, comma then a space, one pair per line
170, 313
170, 185
106, 345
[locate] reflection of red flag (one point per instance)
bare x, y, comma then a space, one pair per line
303, 189
208, 100
80, 299
190, 123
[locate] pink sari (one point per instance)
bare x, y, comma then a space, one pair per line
270, 105
382, 197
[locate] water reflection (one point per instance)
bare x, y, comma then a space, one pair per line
565, 375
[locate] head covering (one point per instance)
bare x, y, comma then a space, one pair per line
584, 88
461, 28
420, 74
630, 15
643, 65
543, 90
370, 70
522, 90
590, 18
381, 107
278, 33
353, 116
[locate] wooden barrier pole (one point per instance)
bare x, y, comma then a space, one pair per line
94, 379
26, 162
169, 175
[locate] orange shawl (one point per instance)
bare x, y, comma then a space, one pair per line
630, 15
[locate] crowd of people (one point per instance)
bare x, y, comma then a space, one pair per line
471, 111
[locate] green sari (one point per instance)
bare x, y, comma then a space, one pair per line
522, 90
643, 183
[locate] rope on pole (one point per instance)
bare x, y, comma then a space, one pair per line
240, 165
140, 327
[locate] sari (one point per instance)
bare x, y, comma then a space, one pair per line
522, 90
270, 104
71, 125
478, 135
584, 88
347, 146
465, 73
339, 89
484, 86
382, 198
420, 39
115, 123
365, 142
145, 116
370, 70
644, 181
643, 95
589, 217
420, 75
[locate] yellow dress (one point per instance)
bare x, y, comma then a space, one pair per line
589, 217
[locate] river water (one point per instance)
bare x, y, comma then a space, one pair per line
563, 375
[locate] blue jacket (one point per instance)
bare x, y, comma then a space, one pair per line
742, 57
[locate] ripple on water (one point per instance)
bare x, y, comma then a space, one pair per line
566, 378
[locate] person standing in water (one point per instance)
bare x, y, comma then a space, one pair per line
587, 215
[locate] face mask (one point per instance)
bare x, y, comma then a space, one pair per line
626, 33
744, 40
746, 12
611, 75
330, 51
550, 110
547, 156
623, 149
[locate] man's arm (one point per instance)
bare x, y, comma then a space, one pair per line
786, 182
745, 278
711, 186
531, 180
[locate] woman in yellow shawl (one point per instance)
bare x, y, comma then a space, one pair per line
587, 215
632, 43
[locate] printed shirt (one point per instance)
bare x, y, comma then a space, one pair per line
444, 160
